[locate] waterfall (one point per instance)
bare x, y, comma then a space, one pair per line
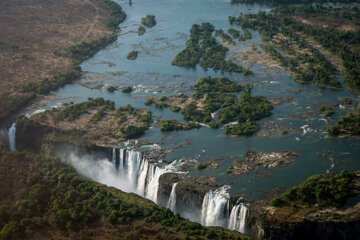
153, 184
237, 219
133, 166
114, 156
172, 199
121, 159
214, 210
12, 132
141, 183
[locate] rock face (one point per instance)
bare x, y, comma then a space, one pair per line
282, 223
190, 192
272, 159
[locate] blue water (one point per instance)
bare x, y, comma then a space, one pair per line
152, 74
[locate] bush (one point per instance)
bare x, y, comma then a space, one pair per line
175, 108
111, 89
201, 165
126, 89
149, 21
132, 55
141, 30
276, 202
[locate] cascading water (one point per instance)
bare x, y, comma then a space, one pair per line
133, 166
129, 171
121, 159
214, 210
237, 219
12, 140
172, 199
114, 156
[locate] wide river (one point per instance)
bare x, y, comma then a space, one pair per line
152, 74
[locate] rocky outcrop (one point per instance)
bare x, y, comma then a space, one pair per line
272, 159
284, 223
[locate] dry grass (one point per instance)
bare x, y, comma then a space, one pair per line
30, 31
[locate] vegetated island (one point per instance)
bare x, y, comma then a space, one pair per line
24, 74
54, 201
149, 21
95, 121
132, 55
202, 48
288, 29
216, 103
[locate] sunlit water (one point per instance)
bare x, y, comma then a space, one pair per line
152, 74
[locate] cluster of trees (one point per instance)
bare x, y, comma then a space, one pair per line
348, 125
246, 128
173, 124
131, 131
328, 110
73, 111
149, 20
141, 30
320, 190
220, 95
48, 84
56, 200
117, 15
307, 67
224, 37
132, 55
249, 107
202, 48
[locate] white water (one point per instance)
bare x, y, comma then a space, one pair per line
129, 171
172, 199
237, 220
114, 156
12, 140
215, 210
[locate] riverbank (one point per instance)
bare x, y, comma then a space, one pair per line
32, 39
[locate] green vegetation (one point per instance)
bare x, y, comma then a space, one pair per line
149, 21
320, 190
175, 108
117, 15
230, 169
247, 33
201, 165
132, 55
348, 125
247, 128
279, 32
234, 33
173, 124
224, 37
110, 89
284, 131
56, 201
219, 94
346, 101
249, 107
73, 111
141, 30
127, 89
202, 48
328, 110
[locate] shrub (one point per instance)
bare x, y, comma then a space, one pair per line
126, 89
